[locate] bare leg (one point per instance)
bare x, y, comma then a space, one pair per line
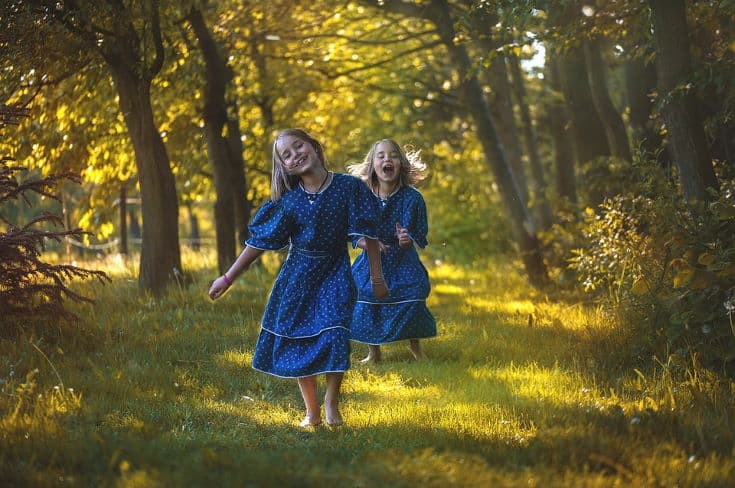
307, 385
373, 354
331, 399
418, 354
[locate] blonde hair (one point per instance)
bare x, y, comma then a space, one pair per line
413, 169
282, 182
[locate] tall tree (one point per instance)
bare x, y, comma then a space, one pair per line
561, 139
129, 40
617, 138
227, 162
500, 99
640, 82
540, 201
685, 132
475, 104
589, 138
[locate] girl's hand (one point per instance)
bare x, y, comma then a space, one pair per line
404, 240
219, 287
382, 246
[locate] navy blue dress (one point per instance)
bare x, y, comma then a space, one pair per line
305, 326
403, 314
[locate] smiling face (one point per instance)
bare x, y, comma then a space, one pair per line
296, 155
387, 163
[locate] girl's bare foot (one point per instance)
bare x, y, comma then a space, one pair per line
418, 354
334, 418
310, 421
373, 355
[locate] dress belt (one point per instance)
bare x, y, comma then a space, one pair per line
316, 253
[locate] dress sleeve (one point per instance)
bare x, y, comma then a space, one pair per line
416, 220
271, 227
364, 212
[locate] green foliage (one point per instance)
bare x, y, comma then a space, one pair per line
667, 266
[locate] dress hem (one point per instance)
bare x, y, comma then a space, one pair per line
391, 303
392, 342
306, 336
299, 376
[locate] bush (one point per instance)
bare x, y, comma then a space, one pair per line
30, 288
667, 266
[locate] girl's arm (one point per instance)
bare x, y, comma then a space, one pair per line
361, 245
380, 290
243, 261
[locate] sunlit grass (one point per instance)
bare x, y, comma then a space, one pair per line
516, 391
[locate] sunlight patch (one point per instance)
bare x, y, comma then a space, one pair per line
447, 289
532, 381
234, 357
523, 307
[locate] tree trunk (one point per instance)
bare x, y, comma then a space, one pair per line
123, 212
239, 183
686, 136
160, 258
501, 110
476, 105
135, 231
590, 141
617, 138
194, 233
561, 139
500, 100
640, 82
540, 201
218, 75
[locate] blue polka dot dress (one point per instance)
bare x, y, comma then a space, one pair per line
305, 326
402, 314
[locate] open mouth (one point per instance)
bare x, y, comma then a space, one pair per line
299, 162
388, 170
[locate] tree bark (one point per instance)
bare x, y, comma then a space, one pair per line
123, 212
617, 138
218, 75
540, 201
500, 100
160, 258
235, 150
194, 233
685, 132
500, 105
640, 82
590, 140
561, 139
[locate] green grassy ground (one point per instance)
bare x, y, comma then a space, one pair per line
518, 390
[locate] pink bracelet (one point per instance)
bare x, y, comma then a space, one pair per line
227, 279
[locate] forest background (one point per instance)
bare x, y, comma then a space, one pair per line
586, 144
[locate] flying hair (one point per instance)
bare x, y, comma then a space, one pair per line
413, 169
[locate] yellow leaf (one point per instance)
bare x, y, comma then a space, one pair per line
705, 259
640, 286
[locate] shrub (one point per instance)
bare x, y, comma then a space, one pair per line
668, 266
30, 288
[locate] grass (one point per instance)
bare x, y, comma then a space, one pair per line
518, 390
